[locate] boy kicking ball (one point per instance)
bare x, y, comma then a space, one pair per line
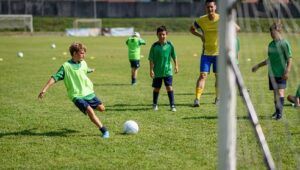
79, 87
161, 53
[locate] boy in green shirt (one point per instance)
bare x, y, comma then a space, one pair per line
134, 54
279, 63
160, 56
295, 99
79, 86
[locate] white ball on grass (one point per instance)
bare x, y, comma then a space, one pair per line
130, 127
53, 45
20, 54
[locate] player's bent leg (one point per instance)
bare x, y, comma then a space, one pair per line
199, 88
101, 108
291, 98
93, 117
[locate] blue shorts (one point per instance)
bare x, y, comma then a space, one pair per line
206, 62
157, 82
279, 83
134, 63
83, 104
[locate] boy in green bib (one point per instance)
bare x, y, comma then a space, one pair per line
79, 87
134, 44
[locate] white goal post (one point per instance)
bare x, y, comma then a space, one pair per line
87, 23
16, 22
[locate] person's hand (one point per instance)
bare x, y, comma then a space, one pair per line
41, 95
152, 74
285, 76
255, 68
176, 69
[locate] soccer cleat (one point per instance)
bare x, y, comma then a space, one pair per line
196, 103
217, 101
173, 108
155, 107
133, 84
105, 135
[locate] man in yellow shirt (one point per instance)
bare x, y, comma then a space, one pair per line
206, 27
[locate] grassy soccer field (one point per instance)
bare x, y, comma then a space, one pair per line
53, 134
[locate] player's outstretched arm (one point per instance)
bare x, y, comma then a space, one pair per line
50, 82
257, 66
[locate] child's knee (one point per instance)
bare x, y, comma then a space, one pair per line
203, 76
169, 88
101, 108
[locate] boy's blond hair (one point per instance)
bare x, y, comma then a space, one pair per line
76, 47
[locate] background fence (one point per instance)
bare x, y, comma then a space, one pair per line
102, 9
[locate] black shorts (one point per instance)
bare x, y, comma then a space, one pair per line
157, 82
278, 83
83, 104
134, 63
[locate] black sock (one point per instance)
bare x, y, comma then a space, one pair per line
171, 98
103, 129
155, 97
133, 80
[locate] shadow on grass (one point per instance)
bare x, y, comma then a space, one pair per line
216, 117
188, 94
30, 132
200, 117
112, 84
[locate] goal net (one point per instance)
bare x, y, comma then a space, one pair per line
16, 22
87, 23
274, 143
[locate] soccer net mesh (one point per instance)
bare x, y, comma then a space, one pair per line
16, 22
282, 136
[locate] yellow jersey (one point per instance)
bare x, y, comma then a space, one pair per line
210, 32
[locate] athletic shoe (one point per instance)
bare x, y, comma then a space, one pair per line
105, 135
196, 103
217, 101
278, 116
133, 84
155, 107
274, 115
173, 109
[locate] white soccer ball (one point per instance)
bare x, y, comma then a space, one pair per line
130, 127
20, 54
53, 45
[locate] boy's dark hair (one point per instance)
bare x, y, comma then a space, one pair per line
160, 29
76, 47
208, 1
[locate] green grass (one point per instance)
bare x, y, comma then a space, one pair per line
53, 134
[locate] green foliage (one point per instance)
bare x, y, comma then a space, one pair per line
59, 24
53, 134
